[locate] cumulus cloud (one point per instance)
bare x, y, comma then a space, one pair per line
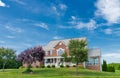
108, 10
91, 25
42, 25
2, 4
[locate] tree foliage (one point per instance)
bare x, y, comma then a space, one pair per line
8, 58
66, 58
31, 55
111, 69
116, 65
78, 51
104, 66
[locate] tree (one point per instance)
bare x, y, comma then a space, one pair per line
66, 58
104, 66
6, 55
78, 51
31, 55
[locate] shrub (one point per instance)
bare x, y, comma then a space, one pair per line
61, 66
74, 65
37, 66
67, 66
42, 66
21, 67
48, 66
53, 66
119, 67
81, 67
111, 69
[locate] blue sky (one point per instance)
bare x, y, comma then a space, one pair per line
27, 23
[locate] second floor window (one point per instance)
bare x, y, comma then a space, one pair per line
49, 52
60, 51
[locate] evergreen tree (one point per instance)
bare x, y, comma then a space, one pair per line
104, 66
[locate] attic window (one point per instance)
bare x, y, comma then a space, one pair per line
60, 43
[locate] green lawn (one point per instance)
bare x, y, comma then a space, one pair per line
57, 73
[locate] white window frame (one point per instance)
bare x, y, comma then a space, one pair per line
58, 51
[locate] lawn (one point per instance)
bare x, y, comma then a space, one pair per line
57, 73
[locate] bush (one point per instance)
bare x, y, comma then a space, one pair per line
48, 66
67, 66
37, 66
119, 67
21, 67
53, 66
61, 66
111, 69
74, 65
42, 66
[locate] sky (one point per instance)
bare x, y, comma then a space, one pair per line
28, 23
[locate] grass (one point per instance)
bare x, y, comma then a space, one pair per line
57, 73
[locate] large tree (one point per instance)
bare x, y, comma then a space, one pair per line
31, 55
6, 56
78, 51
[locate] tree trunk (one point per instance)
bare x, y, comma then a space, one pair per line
4, 67
77, 68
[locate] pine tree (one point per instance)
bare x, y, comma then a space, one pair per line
104, 66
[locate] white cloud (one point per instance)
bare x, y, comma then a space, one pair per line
57, 37
42, 25
19, 2
11, 37
59, 9
108, 10
14, 29
73, 17
91, 25
63, 6
108, 31
2, 4
55, 10
112, 57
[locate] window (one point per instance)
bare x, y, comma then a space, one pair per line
46, 53
93, 61
50, 52
60, 51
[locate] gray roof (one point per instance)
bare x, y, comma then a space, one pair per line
53, 43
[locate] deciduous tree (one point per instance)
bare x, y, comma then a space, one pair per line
31, 55
78, 51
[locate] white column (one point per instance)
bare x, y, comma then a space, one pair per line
84, 65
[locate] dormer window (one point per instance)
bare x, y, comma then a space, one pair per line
60, 51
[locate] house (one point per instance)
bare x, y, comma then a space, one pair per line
54, 49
